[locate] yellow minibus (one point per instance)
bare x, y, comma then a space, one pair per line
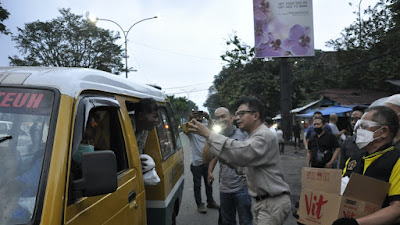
49, 175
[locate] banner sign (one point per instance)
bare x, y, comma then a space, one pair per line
283, 28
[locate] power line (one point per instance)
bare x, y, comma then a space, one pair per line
185, 92
176, 53
188, 86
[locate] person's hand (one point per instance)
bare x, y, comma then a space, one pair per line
345, 221
328, 165
147, 162
210, 178
199, 128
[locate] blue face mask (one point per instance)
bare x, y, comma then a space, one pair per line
77, 156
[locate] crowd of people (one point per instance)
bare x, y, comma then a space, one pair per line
248, 148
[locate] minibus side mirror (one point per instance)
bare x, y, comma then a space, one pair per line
99, 174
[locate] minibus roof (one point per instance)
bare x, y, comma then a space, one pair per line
72, 81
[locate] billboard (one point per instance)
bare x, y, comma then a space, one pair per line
283, 28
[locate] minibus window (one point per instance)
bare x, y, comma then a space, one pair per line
103, 132
165, 135
174, 125
24, 121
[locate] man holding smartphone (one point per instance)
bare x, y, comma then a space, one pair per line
258, 155
198, 168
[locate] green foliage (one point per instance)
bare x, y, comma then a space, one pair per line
181, 106
259, 78
245, 76
239, 55
68, 41
3, 16
368, 56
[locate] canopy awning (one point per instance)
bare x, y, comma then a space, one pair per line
328, 111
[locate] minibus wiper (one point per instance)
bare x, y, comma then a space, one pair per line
5, 138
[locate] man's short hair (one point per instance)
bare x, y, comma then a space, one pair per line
317, 112
358, 108
254, 104
319, 118
385, 116
147, 105
268, 120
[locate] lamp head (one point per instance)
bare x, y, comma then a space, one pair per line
93, 18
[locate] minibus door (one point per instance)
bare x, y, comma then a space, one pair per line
101, 115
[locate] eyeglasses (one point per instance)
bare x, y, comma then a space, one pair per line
366, 124
242, 112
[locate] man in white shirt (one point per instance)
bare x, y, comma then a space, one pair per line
270, 124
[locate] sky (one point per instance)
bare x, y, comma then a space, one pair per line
180, 51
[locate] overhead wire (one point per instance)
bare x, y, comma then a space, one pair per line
187, 86
176, 53
185, 92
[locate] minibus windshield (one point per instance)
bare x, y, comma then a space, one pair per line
24, 125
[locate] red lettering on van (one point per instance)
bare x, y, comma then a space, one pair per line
18, 100
314, 206
7, 99
34, 101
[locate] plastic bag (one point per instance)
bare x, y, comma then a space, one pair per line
151, 178
147, 162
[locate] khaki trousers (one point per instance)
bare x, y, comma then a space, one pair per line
272, 210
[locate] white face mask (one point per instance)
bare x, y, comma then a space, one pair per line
364, 137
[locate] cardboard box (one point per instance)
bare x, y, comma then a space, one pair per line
321, 203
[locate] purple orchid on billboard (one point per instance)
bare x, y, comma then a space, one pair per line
298, 42
283, 28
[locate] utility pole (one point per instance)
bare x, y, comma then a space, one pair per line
360, 23
286, 100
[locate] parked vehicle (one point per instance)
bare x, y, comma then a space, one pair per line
47, 112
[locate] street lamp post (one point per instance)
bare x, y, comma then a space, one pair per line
125, 33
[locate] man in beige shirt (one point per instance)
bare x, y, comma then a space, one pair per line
259, 156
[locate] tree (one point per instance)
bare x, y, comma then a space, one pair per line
68, 41
3, 16
366, 53
181, 106
245, 76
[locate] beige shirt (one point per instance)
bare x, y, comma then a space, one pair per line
259, 155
